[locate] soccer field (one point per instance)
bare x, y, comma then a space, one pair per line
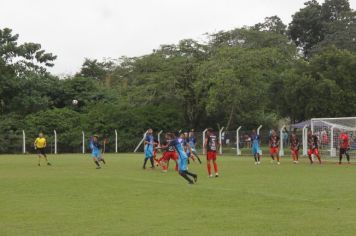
73, 198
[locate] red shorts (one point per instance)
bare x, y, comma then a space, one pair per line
169, 155
294, 152
314, 151
273, 150
211, 156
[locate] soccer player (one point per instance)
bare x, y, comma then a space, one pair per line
40, 145
95, 147
211, 144
313, 147
168, 154
192, 142
256, 140
274, 146
149, 142
344, 144
294, 147
182, 159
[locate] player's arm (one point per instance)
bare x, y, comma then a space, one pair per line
45, 143
206, 144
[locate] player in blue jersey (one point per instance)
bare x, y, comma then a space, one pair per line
182, 159
95, 147
192, 141
149, 148
256, 140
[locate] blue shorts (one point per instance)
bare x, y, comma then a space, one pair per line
148, 151
96, 154
182, 164
255, 150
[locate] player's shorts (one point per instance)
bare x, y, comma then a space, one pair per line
314, 151
273, 150
211, 156
344, 151
148, 151
294, 152
255, 150
169, 155
96, 154
182, 164
41, 151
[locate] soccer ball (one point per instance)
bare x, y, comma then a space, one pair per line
75, 102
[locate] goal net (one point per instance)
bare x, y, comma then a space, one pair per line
328, 131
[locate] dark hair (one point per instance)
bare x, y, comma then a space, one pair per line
210, 130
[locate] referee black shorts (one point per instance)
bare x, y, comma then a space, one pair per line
343, 151
41, 151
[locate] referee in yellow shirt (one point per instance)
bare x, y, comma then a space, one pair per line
40, 145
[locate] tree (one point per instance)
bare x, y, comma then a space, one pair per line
272, 24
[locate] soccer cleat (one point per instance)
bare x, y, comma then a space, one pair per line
216, 175
39, 164
278, 163
258, 163
98, 167
210, 176
49, 164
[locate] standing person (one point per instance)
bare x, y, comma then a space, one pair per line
313, 147
256, 140
182, 160
344, 145
40, 145
294, 147
192, 141
95, 147
211, 144
148, 148
274, 141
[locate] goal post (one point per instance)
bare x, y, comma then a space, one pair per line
328, 131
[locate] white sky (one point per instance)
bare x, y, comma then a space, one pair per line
97, 29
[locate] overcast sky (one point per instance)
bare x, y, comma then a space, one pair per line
97, 29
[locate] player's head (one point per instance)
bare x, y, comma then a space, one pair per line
95, 137
182, 135
186, 134
310, 133
170, 135
273, 132
40, 135
150, 131
210, 131
191, 134
253, 131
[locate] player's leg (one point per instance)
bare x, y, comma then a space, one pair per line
317, 154
183, 170
297, 156
95, 159
340, 155
145, 162
310, 156
277, 156
215, 165
208, 165
258, 158
271, 151
347, 156
197, 156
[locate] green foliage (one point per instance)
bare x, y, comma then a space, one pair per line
245, 76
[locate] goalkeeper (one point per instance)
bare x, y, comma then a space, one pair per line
344, 144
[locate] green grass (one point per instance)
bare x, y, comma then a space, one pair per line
73, 198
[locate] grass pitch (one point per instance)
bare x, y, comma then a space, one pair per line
73, 198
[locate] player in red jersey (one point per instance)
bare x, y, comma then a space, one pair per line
294, 147
212, 145
168, 154
313, 147
344, 144
274, 146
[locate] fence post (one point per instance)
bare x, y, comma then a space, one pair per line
258, 129
143, 139
23, 142
83, 140
281, 146
238, 151
55, 141
203, 143
159, 137
305, 141
332, 142
115, 141
220, 140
